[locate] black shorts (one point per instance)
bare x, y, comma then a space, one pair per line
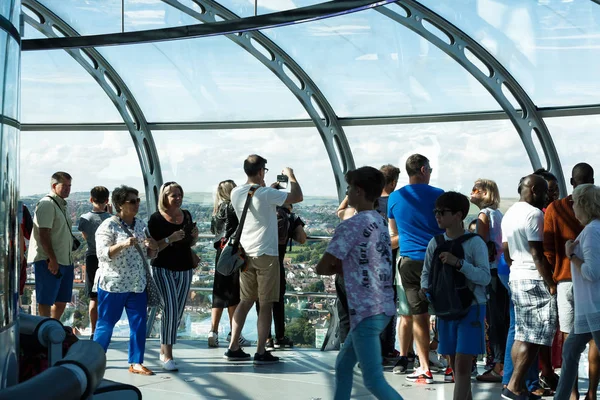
410, 275
226, 289
91, 266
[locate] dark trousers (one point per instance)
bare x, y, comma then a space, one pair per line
388, 336
497, 317
342, 307
279, 306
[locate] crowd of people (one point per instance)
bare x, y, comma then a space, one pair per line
508, 286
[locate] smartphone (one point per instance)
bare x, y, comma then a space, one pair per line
282, 181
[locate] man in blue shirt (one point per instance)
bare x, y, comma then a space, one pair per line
412, 224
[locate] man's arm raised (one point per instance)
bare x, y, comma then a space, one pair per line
295, 194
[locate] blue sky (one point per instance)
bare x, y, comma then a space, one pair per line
364, 63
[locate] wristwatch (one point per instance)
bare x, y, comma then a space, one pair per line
571, 256
459, 264
167, 240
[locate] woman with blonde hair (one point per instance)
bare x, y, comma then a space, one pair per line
176, 233
584, 253
486, 196
226, 289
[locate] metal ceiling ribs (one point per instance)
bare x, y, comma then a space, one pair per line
488, 71
109, 80
294, 77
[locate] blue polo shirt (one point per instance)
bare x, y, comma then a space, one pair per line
412, 208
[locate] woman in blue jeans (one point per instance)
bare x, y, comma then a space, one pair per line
532, 380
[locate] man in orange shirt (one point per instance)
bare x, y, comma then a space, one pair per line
561, 225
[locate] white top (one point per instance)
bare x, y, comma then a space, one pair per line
586, 281
476, 267
126, 271
260, 234
522, 223
495, 222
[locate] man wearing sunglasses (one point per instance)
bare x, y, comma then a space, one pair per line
412, 225
50, 249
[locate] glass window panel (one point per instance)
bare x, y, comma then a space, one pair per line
7, 8
208, 79
10, 106
380, 68
4, 40
551, 47
459, 152
245, 8
56, 89
576, 140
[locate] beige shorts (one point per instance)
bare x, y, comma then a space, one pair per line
260, 281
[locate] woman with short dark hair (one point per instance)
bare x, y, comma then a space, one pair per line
122, 249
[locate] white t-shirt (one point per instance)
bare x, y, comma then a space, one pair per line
522, 223
495, 231
259, 235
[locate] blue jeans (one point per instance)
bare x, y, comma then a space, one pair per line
363, 345
572, 349
532, 380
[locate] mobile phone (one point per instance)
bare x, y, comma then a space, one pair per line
282, 181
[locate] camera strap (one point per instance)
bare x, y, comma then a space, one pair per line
64, 213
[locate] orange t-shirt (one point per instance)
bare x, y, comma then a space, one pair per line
560, 225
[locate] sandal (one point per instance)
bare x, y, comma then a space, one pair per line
143, 371
489, 376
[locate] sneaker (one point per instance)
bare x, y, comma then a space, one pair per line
449, 375
236, 355
284, 342
265, 358
170, 366
391, 357
549, 383
213, 339
401, 365
420, 376
162, 359
270, 346
489, 376
243, 342
508, 395
474, 372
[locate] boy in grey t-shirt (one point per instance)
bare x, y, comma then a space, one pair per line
88, 224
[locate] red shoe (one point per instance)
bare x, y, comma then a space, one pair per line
449, 375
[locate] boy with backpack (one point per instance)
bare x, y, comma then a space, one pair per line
454, 279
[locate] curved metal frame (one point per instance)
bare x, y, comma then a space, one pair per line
304, 14
116, 89
312, 99
527, 120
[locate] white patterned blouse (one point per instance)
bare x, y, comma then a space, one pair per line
126, 272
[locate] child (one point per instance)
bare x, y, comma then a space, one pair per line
361, 250
88, 224
462, 338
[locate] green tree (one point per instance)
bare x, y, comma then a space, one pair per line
317, 286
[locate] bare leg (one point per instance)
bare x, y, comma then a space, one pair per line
167, 351
522, 355
264, 325
594, 360
461, 364
421, 332
405, 334
231, 311
44, 310
93, 310
239, 319
546, 361
57, 310
215, 318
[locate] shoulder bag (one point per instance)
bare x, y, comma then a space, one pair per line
232, 256
76, 242
154, 297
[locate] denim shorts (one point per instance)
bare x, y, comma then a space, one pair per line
49, 288
465, 335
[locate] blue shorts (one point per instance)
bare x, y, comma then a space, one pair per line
465, 335
48, 288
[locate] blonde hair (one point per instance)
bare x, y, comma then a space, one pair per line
165, 191
587, 198
223, 193
491, 198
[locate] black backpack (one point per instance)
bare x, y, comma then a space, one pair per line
448, 291
283, 225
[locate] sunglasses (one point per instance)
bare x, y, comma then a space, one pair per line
476, 190
169, 184
437, 211
133, 201
266, 170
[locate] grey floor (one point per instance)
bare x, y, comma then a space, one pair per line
304, 374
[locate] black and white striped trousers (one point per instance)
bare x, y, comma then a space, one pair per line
174, 287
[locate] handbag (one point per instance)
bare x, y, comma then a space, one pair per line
76, 243
233, 256
154, 297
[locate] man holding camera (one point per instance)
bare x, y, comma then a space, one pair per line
259, 238
50, 249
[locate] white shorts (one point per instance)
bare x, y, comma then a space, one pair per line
566, 306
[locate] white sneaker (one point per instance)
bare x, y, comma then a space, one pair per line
170, 366
213, 339
243, 342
